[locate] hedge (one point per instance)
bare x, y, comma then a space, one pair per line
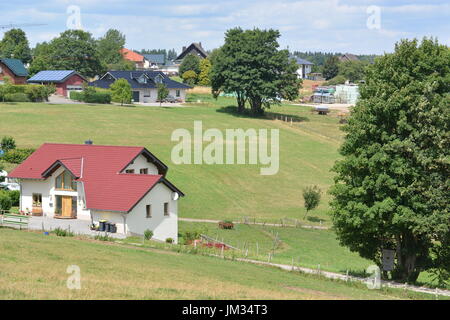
91, 97
26, 93
5, 201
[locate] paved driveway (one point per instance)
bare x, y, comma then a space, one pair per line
77, 226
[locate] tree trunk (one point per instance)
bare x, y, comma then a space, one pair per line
240, 102
256, 105
406, 269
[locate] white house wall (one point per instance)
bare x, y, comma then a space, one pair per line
151, 95
163, 227
48, 191
141, 163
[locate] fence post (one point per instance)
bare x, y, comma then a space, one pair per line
257, 250
318, 269
292, 264
222, 252
346, 276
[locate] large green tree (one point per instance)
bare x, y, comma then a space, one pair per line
251, 66
72, 50
331, 67
392, 187
15, 45
109, 46
190, 62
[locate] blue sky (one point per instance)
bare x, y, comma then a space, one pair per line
309, 25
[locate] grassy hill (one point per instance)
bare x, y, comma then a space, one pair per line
33, 266
308, 149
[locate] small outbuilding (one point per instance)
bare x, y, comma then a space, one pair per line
64, 80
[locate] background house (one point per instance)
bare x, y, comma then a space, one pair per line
304, 67
155, 61
195, 49
14, 69
137, 58
144, 84
348, 57
64, 80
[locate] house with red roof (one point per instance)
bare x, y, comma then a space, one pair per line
135, 57
127, 186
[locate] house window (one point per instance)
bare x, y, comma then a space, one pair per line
143, 171
129, 171
166, 208
148, 211
65, 181
177, 93
37, 200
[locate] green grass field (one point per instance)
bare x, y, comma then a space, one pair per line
308, 150
34, 266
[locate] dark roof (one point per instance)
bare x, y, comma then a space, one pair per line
132, 76
16, 66
348, 57
56, 76
301, 61
195, 46
155, 58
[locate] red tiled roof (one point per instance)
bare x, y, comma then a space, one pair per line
98, 167
131, 55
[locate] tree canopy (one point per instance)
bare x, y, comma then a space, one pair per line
109, 46
190, 62
391, 189
250, 65
72, 50
15, 45
331, 67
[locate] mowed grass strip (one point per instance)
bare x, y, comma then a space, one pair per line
212, 191
33, 266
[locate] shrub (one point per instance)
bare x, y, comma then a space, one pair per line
63, 233
121, 91
14, 195
189, 77
17, 156
37, 92
90, 95
7, 143
190, 236
169, 240
311, 196
5, 201
76, 95
340, 79
17, 97
148, 234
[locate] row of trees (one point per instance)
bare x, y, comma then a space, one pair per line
72, 49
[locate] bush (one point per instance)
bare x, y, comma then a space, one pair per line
189, 77
103, 237
148, 234
90, 95
7, 143
5, 201
14, 195
311, 196
17, 156
169, 240
37, 92
17, 97
63, 233
190, 236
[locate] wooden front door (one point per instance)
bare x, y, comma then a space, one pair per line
66, 210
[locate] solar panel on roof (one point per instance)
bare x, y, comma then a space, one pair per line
51, 75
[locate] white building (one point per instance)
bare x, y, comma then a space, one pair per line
144, 84
126, 186
305, 67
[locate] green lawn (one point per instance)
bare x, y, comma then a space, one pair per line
308, 150
33, 266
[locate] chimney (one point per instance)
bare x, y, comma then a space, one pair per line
200, 45
88, 142
184, 49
